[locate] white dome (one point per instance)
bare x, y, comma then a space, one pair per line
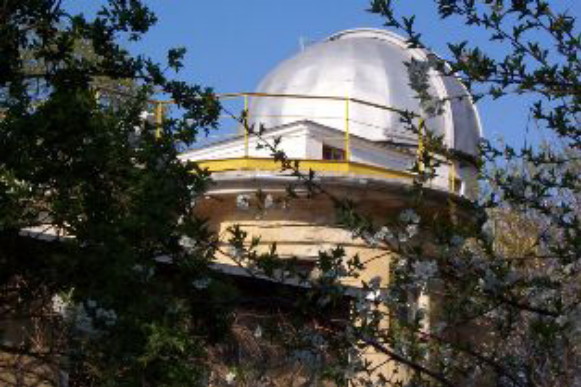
366, 65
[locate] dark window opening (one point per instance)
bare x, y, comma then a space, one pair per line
457, 186
332, 153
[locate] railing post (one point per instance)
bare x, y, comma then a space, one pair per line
158, 115
347, 139
245, 124
421, 145
452, 177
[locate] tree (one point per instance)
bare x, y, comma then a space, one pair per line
124, 295
508, 312
508, 304
93, 302
531, 299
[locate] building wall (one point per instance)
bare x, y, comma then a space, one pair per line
301, 229
305, 227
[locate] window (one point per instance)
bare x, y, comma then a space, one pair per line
458, 186
332, 153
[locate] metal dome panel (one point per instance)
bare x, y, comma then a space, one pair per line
366, 65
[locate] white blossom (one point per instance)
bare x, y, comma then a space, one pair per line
401, 262
409, 216
412, 230
373, 295
107, 316
338, 271
60, 305
243, 202
144, 115
384, 234
258, 332
424, 270
268, 201
375, 283
365, 301
456, 241
303, 356
316, 340
487, 230
490, 281
84, 314
201, 283
363, 307
187, 243
83, 321
562, 320
236, 252
369, 239
230, 377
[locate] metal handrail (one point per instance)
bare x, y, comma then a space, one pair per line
159, 110
347, 100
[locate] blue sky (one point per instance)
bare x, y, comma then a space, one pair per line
232, 44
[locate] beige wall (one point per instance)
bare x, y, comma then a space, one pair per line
304, 228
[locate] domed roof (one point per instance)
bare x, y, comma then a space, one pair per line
368, 67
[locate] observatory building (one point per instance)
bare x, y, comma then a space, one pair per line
335, 110
336, 107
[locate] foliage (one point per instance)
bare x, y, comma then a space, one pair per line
80, 163
508, 301
502, 290
124, 294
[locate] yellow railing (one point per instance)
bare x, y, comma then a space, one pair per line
344, 167
321, 166
160, 107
